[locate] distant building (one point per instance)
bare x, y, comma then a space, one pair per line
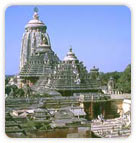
111, 85
94, 73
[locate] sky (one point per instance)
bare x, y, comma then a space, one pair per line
99, 35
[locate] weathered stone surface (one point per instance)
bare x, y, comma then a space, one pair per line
41, 69
71, 75
37, 57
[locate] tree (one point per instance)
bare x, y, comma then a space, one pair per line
124, 82
122, 79
106, 76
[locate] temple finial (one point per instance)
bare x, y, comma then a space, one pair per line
36, 10
36, 16
70, 48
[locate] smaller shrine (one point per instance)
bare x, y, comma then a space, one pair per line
71, 76
94, 73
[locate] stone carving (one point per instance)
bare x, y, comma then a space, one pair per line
36, 48
35, 34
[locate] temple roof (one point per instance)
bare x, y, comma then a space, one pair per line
70, 56
39, 60
94, 69
35, 22
71, 76
39, 64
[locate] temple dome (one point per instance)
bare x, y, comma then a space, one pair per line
70, 56
35, 22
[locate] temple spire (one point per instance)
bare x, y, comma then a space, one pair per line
70, 48
36, 9
36, 16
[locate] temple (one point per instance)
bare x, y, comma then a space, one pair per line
53, 98
41, 69
71, 76
37, 58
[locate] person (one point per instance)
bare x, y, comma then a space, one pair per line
102, 120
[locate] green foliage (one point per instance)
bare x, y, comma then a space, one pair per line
122, 79
7, 80
106, 76
124, 82
31, 124
8, 89
16, 92
20, 92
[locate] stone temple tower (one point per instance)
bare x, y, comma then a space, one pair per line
111, 85
35, 32
37, 58
71, 76
41, 69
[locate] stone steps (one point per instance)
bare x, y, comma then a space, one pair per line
110, 128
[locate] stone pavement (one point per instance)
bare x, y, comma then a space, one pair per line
111, 128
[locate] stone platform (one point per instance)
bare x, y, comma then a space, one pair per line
111, 128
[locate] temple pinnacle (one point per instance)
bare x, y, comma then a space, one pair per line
36, 9
36, 16
70, 48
